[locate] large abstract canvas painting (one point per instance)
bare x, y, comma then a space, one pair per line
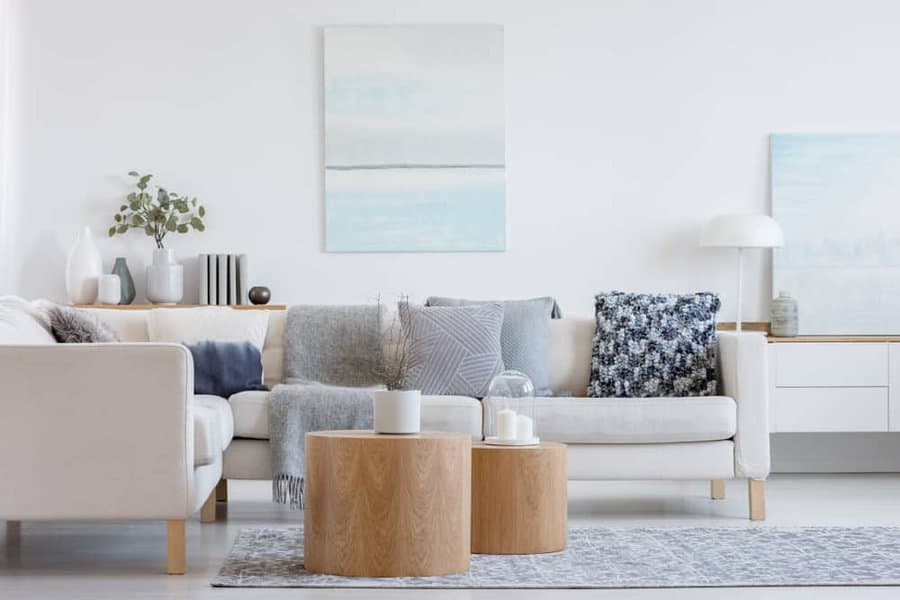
414, 139
838, 199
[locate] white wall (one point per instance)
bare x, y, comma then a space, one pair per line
628, 124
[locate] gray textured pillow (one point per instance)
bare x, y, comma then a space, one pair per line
524, 337
335, 345
73, 326
452, 350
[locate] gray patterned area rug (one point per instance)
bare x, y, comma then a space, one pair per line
615, 558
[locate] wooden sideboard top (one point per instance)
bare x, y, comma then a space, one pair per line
152, 306
809, 339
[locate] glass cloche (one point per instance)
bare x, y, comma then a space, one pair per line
510, 410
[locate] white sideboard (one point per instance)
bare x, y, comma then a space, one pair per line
834, 384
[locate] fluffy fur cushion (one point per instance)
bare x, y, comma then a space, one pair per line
654, 345
73, 326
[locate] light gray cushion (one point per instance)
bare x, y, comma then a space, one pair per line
335, 345
524, 336
452, 350
73, 326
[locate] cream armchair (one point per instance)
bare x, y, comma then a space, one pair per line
108, 432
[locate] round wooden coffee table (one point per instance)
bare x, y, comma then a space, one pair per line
519, 499
379, 505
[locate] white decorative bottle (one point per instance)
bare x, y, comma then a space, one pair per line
165, 278
83, 269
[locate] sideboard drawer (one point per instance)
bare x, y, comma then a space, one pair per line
830, 409
831, 364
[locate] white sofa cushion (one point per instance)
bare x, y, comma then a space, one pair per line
439, 413
22, 323
213, 428
634, 420
219, 324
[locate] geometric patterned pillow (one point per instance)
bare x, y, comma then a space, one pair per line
452, 350
654, 345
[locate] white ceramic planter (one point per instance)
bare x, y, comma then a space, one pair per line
397, 411
165, 278
83, 269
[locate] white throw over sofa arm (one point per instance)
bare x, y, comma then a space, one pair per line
101, 432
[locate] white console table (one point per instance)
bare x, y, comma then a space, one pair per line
834, 384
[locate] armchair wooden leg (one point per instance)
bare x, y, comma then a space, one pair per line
717, 489
222, 491
757, 488
175, 555
208, 511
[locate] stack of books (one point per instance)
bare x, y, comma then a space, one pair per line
223, 279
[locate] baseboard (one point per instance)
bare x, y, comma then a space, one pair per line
835, 452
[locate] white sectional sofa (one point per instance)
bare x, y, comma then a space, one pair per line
115, 432
714, 437
108, 432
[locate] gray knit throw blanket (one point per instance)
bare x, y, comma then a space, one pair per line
333, 360
297, 409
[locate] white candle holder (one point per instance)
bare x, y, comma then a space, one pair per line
510, 411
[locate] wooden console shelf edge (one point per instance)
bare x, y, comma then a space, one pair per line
153, 306
808, 339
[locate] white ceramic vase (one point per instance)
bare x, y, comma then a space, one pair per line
165, 278
109, 289
83, 269
397, 411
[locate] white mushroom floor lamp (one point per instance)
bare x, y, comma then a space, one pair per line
741, 231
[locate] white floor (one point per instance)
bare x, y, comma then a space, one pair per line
100, 561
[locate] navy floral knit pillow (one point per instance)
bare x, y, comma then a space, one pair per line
654, 345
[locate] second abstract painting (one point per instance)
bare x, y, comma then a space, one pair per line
414, 139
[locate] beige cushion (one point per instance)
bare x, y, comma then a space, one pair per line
219, 324
128, 325
439, 413
569, 354
634, 420
213, 428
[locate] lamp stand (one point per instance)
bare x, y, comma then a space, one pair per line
740, 287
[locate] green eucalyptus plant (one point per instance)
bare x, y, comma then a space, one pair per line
157, 216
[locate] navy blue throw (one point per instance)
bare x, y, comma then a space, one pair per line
226, 368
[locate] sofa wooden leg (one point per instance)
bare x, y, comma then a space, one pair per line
175, 546
208, 511
717, 489
222, 491
13, 531
757, 488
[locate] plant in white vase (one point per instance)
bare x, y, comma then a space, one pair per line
158, 215
395, 409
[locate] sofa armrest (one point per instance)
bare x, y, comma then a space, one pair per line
743, 373
99, 431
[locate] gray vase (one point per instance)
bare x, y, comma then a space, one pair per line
121, 269
784, 316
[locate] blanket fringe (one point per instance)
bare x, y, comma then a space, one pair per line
288, 489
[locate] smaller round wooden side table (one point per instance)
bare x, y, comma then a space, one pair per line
378, 505
519, 499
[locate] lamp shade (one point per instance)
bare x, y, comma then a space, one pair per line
742, 231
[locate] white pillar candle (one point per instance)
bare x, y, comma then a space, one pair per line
506, 424
524, 428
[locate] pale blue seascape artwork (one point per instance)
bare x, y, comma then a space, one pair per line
414, 139
837, 197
